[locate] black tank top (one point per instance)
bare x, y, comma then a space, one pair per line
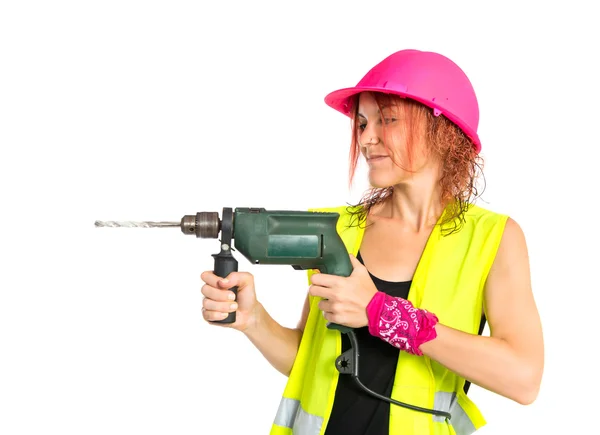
355, 411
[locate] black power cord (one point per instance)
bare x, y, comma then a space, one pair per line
347, 363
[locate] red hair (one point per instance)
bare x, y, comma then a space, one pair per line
443, 139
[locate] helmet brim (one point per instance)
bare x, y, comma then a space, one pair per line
339, 100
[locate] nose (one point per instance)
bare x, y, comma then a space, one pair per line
370, 135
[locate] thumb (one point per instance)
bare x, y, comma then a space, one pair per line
225, 283
355, 263
234, 279
228, 282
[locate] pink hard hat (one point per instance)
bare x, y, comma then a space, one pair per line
427, 77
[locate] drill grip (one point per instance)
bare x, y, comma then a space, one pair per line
225, 263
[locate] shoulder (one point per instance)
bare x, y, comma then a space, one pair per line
503, 233
488, 234
483, 223
513, 244
477, 213
510, 228
513, 230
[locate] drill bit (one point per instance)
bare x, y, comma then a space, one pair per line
206, 225
134, 224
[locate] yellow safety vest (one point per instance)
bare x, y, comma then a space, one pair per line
449, 282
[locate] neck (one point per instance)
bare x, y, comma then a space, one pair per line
416, 202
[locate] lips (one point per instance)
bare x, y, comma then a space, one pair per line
376, 158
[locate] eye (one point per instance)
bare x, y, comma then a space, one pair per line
362, 126
389, 120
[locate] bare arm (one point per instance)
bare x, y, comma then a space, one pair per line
511, 361
278, 344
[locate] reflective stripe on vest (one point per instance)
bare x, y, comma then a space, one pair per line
290, 414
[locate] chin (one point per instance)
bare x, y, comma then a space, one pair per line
381, 179
381, 182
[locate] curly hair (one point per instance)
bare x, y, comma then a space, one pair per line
461, 164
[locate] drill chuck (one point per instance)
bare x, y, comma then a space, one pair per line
204, 225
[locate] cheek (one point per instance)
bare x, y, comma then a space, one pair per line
395, 143
398, 148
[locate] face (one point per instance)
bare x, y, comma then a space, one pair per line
382, 138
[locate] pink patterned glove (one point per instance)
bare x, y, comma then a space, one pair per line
396, 321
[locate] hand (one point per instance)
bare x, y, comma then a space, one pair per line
345, 298
219, 300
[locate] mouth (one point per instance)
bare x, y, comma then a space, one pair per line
376, 158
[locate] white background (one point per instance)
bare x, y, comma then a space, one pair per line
124, 110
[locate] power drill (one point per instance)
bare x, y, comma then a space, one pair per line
303, 239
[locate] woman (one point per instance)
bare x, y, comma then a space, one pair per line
430, 268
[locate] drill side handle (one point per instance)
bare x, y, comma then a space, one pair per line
225, 263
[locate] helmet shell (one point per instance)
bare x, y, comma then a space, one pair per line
427, 77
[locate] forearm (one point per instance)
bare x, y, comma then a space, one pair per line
278, 344
486, 361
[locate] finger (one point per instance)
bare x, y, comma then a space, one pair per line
223, 307
232, 280
210, 278
326, 306
235, 279
324, 280
213, 315
217, 294
321, 292
333, 318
